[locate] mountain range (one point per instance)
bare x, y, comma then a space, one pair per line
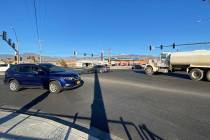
55, 58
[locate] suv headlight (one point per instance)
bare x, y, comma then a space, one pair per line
69, 78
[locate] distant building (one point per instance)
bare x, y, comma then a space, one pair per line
90, 63
125, 61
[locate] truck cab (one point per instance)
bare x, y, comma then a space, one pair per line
160, 64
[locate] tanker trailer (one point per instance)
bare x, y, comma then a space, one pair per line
195, 63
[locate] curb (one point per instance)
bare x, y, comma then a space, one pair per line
47, 127
24, 126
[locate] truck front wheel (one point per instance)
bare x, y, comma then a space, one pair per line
208, 75
196, 74
149, 70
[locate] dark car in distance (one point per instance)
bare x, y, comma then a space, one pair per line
47, 76
97, 69
137, 67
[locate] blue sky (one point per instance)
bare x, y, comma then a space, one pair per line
124, 26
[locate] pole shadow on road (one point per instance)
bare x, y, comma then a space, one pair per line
98, 119
98, 112
178, 75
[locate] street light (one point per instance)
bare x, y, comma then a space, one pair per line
18, 54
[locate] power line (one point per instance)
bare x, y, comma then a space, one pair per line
36, 20
37, 29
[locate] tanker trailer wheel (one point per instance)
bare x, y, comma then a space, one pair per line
208, 75
149, 70
196, 74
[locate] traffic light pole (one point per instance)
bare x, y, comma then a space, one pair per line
40, 51
12, 45
17, 53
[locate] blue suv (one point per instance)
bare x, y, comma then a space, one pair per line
48, 76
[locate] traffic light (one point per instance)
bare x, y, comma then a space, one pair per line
150, 47
174, 45
161, 47
85, 54
75, 53
15, 57
13, 45
92, 54
4, 35
9, 42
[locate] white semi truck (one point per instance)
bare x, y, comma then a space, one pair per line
195, 63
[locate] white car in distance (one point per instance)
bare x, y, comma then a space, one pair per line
4, 67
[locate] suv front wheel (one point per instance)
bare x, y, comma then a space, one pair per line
14, 85
54, 87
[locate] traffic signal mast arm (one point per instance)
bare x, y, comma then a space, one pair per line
176, 45
75, 53
9, 41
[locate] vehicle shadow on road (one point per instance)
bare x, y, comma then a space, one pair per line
139, 71
177, 75
174, 74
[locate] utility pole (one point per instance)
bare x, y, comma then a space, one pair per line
18, 52
9, 42
40, 51
102, 55
109, 53
37, 32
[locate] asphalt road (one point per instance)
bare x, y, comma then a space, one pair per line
128, 104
